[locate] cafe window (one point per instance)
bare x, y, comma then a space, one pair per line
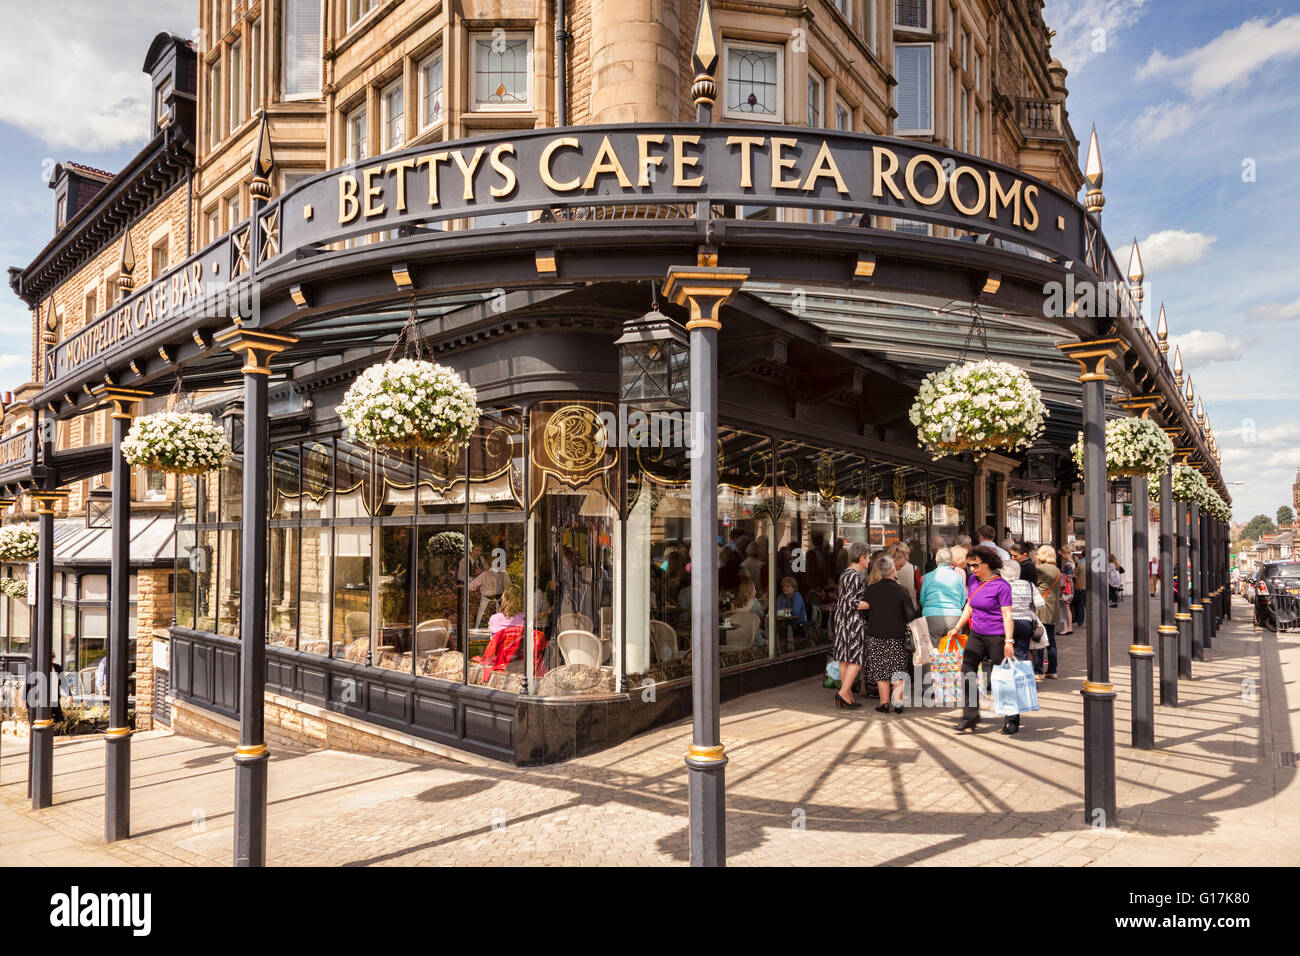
431, 95
501, 71
753, 81
914, 95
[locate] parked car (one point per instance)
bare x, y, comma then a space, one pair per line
1248, 585
1277, 595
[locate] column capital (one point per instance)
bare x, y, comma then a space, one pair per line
1092, 356
706, 288
46, 500
123, 399
1140, 406
257, 347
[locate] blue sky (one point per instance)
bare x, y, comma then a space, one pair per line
1183, 93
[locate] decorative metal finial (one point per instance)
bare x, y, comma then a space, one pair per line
262, 164
704, 57
126, 266
50, 335
1162, 331
1178, 366
1136, 276
1093, 200
1190, 395
1200, 414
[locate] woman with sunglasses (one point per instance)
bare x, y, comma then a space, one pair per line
988, 609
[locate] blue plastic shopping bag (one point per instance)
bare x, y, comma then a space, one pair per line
1014, 688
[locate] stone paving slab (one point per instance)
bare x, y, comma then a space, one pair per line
806, 784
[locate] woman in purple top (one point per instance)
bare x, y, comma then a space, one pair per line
988, 609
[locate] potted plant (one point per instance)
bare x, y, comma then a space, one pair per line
1134, 446
409, 403
181, 443
977, 407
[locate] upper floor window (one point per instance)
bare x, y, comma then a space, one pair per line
61, 212
502, 71
753, 86
912, 15
843, 117
393, 117
845, 7
160, 108
358, 9
255, 65
232, 211
302, 49
431, 91
215, 17
979, 69
869, 23
158, 259
236, 84
214, 224
356, 134
914, 95
89, 307
815, 100
214, 103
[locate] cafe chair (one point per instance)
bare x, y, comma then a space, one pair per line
431, 636
573, 621
664, 639
356, 625
746, 627
580, 647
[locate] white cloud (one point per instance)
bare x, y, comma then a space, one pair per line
1276, 311
1172, 249
1229, 58
1165, 121
1265, 460
10, 361
74, 78
1086, 29
1200, 347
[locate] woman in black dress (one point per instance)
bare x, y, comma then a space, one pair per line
850, 626
891, 609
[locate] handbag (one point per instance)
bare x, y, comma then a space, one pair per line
945, 671
922, 649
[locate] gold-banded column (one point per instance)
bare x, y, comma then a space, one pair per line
42, 689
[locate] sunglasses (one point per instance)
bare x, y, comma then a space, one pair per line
974, 564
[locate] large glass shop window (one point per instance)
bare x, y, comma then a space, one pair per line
657, 578
745, 546
573, 489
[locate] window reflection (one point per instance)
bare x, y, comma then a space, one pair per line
352, 593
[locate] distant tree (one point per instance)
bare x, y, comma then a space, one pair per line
1259, 526
1285, 515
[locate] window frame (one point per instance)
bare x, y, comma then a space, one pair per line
357, 111
235, 85
870, 25
424, 124
920, 131
474, 105
350, 24
725, 62
842, 107
318, 90
398, 85
816, 83
929, 19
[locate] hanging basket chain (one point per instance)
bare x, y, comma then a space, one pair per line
977, 326
184, 402
410, 342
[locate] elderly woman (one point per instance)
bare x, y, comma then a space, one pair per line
988, 609
1049, 586
891, 608
906, 572
850, 624
943, 593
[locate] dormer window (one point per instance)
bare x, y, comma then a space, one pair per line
161, 111
61, 212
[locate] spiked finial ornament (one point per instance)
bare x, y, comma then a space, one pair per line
51, 333
262, 164
1162, 332
1200, 414
1190, 395
704, 58
1093, 200
1135, 275
1178, 366
125, 281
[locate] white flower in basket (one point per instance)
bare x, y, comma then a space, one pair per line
14, 588
977, 407
1134, 446
409, 403
182, 443
19, 542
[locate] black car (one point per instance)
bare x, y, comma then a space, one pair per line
1277, 595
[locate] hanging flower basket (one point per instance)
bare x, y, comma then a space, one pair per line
852, 516
408, 403
977, 407
1189, 486
180, 443
14, 588
914, 518
1134, 446
19, 542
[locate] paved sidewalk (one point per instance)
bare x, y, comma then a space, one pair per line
806, 784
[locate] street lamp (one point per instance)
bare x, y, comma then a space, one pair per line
654, 363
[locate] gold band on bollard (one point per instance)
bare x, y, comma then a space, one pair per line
1094, 688
255, 750
42, 723
1197, 607
1141, 650
705, 754
1167, 629
118, 732
1182, 617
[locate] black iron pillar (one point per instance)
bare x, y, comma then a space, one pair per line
1141, 653
117, 739
251, 756
1195, 595
41, 688
1168, 629
1098, 692
705, 288
1183, 617
1207, 580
